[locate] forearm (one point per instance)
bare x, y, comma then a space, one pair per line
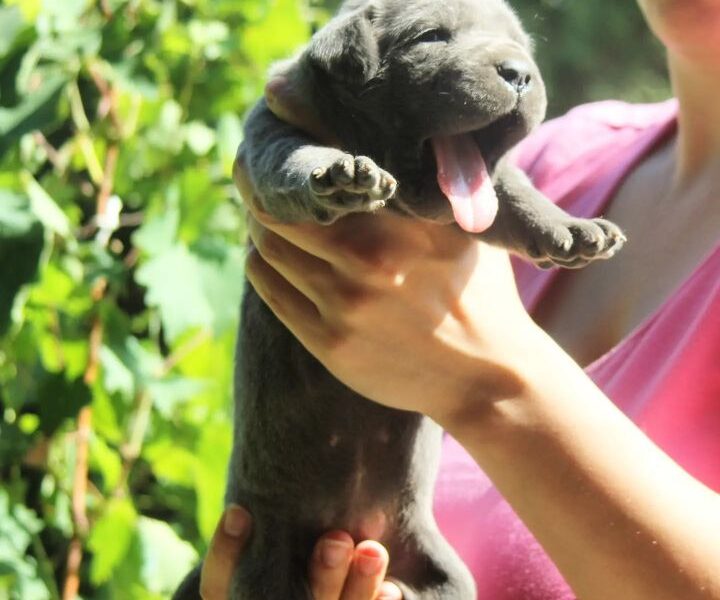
617, 516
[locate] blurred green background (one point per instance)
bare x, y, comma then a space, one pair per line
121, 262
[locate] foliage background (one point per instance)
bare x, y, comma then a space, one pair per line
121, 263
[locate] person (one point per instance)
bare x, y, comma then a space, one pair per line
582, 407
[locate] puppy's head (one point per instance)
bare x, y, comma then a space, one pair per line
444, 90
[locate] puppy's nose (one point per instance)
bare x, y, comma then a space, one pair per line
516, 73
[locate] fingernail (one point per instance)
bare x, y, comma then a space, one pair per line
333, 554
368, 564
236, 521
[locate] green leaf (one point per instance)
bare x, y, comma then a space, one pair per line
117, 377
111, 538
106, 416
199, 137
279, 34
167, 134
60, 399
159, 233
37, 111
21, 245
213, 452
209, 36
12, 25
194, 289
172, 280
107, 461
45, 208
172, 462
19, 575
168, 392
166, 558
14, 444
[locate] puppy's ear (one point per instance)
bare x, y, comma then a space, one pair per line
346, 49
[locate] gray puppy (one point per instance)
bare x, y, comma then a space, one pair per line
435, 93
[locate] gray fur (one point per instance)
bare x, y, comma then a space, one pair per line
310, 454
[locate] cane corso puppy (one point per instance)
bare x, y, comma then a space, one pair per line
426, 98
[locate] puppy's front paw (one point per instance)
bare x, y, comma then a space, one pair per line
573, 243
349, 184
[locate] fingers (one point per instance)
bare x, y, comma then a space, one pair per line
288, 103
341, 571
367, 572
338, 569
227, 545
357, 245
308, 274
294, 309
330, 565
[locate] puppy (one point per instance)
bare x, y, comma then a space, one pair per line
426, 99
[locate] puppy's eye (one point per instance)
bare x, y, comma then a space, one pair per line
433, 35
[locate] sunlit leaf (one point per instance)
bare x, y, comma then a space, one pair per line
111, 538
35, 112
166, 558
12, 24
107, 461
213, 449
21, 244
199, 137
44, 207
193, 290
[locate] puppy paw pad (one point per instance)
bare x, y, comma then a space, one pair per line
575, 243
351, 184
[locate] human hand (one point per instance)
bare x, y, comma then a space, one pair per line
411, 314
408, 313
338, 569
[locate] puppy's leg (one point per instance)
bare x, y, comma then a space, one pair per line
274, 566
427, 567
532, 226
298, 180
422, 562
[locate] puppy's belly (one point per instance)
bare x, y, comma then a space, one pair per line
309, 452
360, 509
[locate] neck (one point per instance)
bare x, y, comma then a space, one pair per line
698, 143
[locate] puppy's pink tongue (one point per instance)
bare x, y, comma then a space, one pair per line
464, 179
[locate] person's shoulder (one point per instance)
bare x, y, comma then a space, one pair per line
588, 132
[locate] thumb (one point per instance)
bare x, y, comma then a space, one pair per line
226, 548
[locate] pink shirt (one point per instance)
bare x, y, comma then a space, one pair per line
665, 375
